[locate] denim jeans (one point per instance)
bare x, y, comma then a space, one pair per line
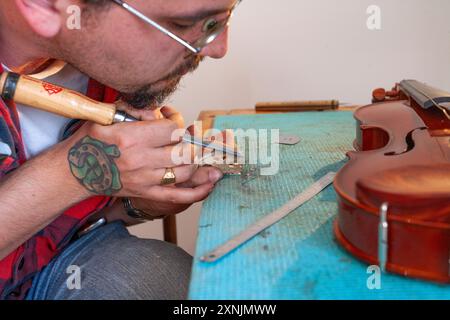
109, 263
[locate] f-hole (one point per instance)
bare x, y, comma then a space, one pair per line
409, 142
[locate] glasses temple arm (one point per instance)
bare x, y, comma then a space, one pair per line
156, 25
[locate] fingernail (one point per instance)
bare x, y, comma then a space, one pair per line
215, 175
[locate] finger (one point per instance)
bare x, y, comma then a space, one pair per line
194, 132
161, 158
155, 133
172, 114
140, 114
138, 182
158, 114
203, 175
172, 156
190, 130
182, 174
180, 195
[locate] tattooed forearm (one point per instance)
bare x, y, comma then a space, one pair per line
92, 164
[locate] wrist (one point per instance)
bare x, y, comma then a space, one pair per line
133, 210
66, 177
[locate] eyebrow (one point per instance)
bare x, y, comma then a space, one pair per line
197, 16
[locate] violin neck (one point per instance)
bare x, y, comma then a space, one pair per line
425, 95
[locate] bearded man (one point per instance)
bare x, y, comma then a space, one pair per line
137, 51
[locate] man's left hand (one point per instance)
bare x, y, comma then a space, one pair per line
197, 189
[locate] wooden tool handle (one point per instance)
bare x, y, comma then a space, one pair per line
48, 97
295, 106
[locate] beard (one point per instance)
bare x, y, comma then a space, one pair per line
152, 96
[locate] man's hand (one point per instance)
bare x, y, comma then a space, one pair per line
130, 159
194, 190
194, 186
204, 176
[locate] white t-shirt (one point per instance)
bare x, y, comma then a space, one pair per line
40, 129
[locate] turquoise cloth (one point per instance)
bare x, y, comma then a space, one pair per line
297, 258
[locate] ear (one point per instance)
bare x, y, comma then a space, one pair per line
41, 15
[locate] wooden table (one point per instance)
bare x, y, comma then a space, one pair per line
208, 116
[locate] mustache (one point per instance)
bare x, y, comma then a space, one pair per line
148, 97
187, 67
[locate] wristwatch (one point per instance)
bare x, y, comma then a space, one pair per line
134, 212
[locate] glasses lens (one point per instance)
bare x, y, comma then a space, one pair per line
213, 28
210, 36
210, 29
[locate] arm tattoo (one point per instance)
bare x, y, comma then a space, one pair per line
92, 164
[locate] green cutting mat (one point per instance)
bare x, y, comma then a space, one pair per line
298, 257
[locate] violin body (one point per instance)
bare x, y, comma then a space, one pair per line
394, 193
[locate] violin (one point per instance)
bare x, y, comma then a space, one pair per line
394, 192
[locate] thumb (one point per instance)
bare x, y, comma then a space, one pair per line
140, 114
203, 175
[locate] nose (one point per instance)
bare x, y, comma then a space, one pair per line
218, 48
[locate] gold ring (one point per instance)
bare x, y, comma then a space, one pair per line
169, 177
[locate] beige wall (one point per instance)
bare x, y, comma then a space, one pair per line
315, 49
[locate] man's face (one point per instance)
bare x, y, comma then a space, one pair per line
121, 51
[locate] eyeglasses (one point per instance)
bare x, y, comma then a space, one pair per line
210, 30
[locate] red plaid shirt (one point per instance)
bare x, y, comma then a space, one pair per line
18, 269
